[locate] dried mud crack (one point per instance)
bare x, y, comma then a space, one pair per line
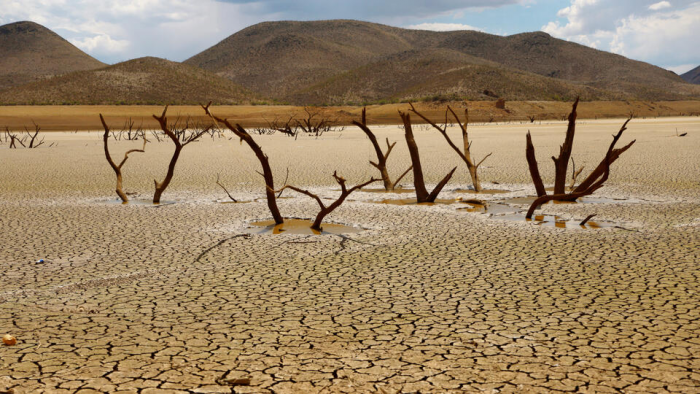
428, 299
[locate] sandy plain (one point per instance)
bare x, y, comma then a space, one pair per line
178, 298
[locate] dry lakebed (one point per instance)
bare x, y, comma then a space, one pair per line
191, 297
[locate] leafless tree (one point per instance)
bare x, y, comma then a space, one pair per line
326, 210
241, 133
118, 167
33, 142
422, 194
464, 155
381, 156
14, 139
594, 181
181, 137
315, 122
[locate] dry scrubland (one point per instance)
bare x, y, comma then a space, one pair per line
86, 117
150, 299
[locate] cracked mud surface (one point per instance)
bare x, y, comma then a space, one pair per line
176, 298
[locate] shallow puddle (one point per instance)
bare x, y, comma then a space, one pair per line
555, 221
299, 226
485, 191
395, 191
583, 200
490, 208
140, 202
412, 201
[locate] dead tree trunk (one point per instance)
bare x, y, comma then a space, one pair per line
118, 167
33, 137
593, 182
418, 180
241, 133
382, 157
561, 163
180, 140
326, 210
466, 155
534, 170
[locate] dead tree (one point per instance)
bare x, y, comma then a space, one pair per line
315, 122
14, 139
418, 180
326, 210
285, 128
33, 137
381, 156
180, 138
118, 167
241, 133
561, 163
594, 181
466, 155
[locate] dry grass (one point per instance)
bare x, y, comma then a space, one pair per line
78, 117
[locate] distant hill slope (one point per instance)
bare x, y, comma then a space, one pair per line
692, 76
284, 60
440, 74
140, 81
29, 52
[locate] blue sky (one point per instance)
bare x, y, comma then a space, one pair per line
658, 32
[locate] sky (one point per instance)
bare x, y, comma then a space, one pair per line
663, 33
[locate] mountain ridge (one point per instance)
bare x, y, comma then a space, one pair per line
30, 52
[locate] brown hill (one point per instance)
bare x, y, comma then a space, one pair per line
30, 52
692, 76
283, 60
140, 81
440, 74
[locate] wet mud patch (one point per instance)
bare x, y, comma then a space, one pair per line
139, 202
556, 221
485, 191
583, 200
487, 208
413, 201
299, 227
384, 191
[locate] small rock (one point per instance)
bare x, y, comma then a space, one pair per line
9, 340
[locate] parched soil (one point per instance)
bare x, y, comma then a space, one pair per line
181, 298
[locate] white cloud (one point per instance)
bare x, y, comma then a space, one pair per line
117, 30
681, 69
655, 32
101, 44
443, 27
660, 5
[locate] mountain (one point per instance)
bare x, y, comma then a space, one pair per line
295, 61
692, 76
31, 52
437, 74
140, 81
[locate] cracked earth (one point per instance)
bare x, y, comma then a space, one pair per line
431, 299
